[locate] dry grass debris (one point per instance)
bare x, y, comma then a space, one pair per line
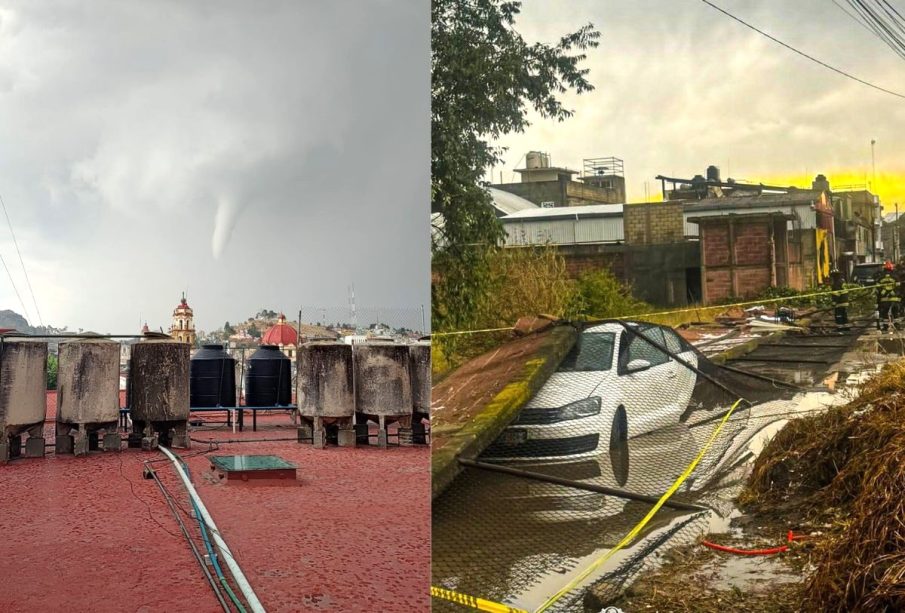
846, 467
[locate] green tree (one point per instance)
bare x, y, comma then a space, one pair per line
484, 79
228, 329
52, 368
253, 331
601, 295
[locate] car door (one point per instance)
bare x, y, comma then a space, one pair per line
645, 393
684, 380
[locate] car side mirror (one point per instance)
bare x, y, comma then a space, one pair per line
637, 365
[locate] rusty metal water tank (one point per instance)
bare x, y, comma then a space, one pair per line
268, 378
23, 388
325, 380
212, 378
382, 379
420, 367
159, 381
88, 382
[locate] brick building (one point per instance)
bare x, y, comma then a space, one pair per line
751, 243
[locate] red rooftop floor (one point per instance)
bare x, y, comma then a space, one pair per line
89, 533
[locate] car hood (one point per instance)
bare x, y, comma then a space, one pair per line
565, 387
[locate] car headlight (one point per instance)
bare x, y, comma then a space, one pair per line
585, 407
581, 408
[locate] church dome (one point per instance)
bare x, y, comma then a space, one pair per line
280, 334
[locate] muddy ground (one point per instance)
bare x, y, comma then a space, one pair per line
700, 579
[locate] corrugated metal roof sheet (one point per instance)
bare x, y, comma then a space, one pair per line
507, 203
571, 212
570, 229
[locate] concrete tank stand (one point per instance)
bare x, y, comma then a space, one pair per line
34, 445
319, 433
81, 438
148, 435
313, 430
10, 447
346, 435
405, 430
305, 432
419, 431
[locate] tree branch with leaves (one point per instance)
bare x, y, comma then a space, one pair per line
485, 78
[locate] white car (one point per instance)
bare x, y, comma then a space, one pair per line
612, 386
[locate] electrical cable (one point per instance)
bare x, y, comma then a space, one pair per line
253, 601
802, 53
195, 552
22, 262
15, 289
204, 537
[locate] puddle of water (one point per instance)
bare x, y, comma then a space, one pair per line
746, 573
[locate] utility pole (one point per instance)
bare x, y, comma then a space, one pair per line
873, 164
897, 237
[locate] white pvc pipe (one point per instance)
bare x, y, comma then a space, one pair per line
253, 602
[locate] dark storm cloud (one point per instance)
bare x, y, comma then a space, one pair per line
258, 154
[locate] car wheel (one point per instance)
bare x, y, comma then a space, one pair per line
619, 430
619, 446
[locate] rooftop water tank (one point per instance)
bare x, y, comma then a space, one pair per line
212, 378
420, 366
325, 380
268, 378
159, 381
88, 382
23, 386
382, 380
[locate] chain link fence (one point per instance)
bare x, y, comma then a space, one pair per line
629, 410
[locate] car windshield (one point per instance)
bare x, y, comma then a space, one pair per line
593, 351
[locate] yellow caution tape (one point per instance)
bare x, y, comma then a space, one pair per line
472, 331
474, 603
747, 303
640, 526
689, 309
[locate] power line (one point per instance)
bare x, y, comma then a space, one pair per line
863, 18
888, 28
15, 289
854, 18
22, 262
803, 54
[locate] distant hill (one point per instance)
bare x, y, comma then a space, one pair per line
11, 319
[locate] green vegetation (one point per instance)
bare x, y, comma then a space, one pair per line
531, 281
52, 367
602, 295
484, 79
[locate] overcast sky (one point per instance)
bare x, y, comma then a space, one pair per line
680, 86
256, 154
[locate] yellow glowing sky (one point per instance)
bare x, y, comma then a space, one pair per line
889, 186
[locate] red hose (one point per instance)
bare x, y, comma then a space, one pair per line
755, 552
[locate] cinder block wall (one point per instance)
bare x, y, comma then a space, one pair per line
656, 223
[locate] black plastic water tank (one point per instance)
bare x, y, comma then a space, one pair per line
268, 378
212, 378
